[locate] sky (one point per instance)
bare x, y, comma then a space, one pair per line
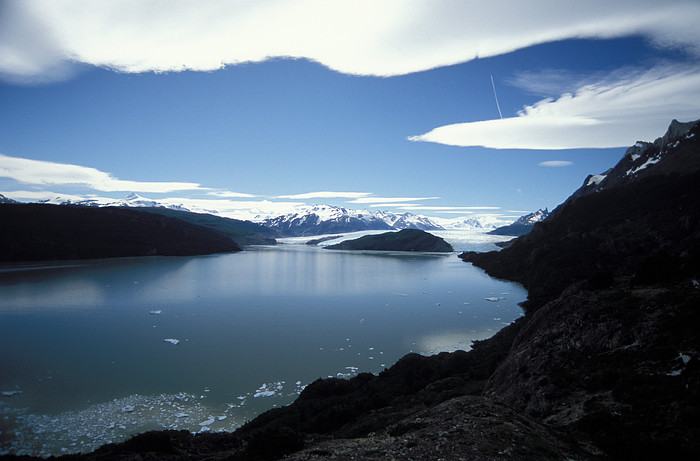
448, 109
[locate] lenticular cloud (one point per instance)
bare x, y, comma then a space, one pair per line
599, 115
50, 173
367, 37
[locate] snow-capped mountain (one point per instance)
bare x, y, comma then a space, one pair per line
4, 199
482, 222
667, 154
523, 224
327, 219
407, 221
532, 218
131, 200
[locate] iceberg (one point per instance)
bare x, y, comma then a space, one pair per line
10, 393
207, 422
172, 340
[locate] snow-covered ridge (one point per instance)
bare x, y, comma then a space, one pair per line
639, 159
532, 218
132, 200
481, 222
327, 219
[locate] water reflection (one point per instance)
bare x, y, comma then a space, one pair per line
262, 322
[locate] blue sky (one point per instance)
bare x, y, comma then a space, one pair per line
345, 103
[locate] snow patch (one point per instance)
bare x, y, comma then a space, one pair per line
595, 179
648, 163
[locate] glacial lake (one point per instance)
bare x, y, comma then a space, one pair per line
84, 358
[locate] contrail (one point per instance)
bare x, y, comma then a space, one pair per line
496, 97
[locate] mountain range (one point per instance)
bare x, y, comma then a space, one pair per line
309, 220
326, 219
133, 200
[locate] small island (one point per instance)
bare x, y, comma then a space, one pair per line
405, 240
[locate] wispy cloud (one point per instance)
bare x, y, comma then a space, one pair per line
556, 163
38, 39
325, 194
394, 200
460, 209
240, 209
607, 113
229, 194
42, 195
43, 173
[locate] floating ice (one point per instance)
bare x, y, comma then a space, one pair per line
112, 421
172, 340
269, 389
208, 422
156, 312
10, 393
264, 394
493, 299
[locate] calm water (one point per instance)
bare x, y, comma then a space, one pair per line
84, 361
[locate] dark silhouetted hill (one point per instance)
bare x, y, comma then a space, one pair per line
37, 232
405, 240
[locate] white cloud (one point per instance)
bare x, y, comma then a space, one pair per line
395, 200
239, 209
448, 209
45, 173
42, 195
367, 37
229, 194
325, 194
556, 163
609, 113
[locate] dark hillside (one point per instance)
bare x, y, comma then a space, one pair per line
405, 240
645, 226
242, 232
38, 232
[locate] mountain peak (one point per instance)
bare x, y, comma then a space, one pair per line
328, 219
674, 152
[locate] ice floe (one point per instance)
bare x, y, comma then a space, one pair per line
172, 341
113, 421
10, 393
269, 389
208, 422
493, 299
156, 312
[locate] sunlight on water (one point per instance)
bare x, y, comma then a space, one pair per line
95, 352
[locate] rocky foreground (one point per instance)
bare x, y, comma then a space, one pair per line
604, 365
